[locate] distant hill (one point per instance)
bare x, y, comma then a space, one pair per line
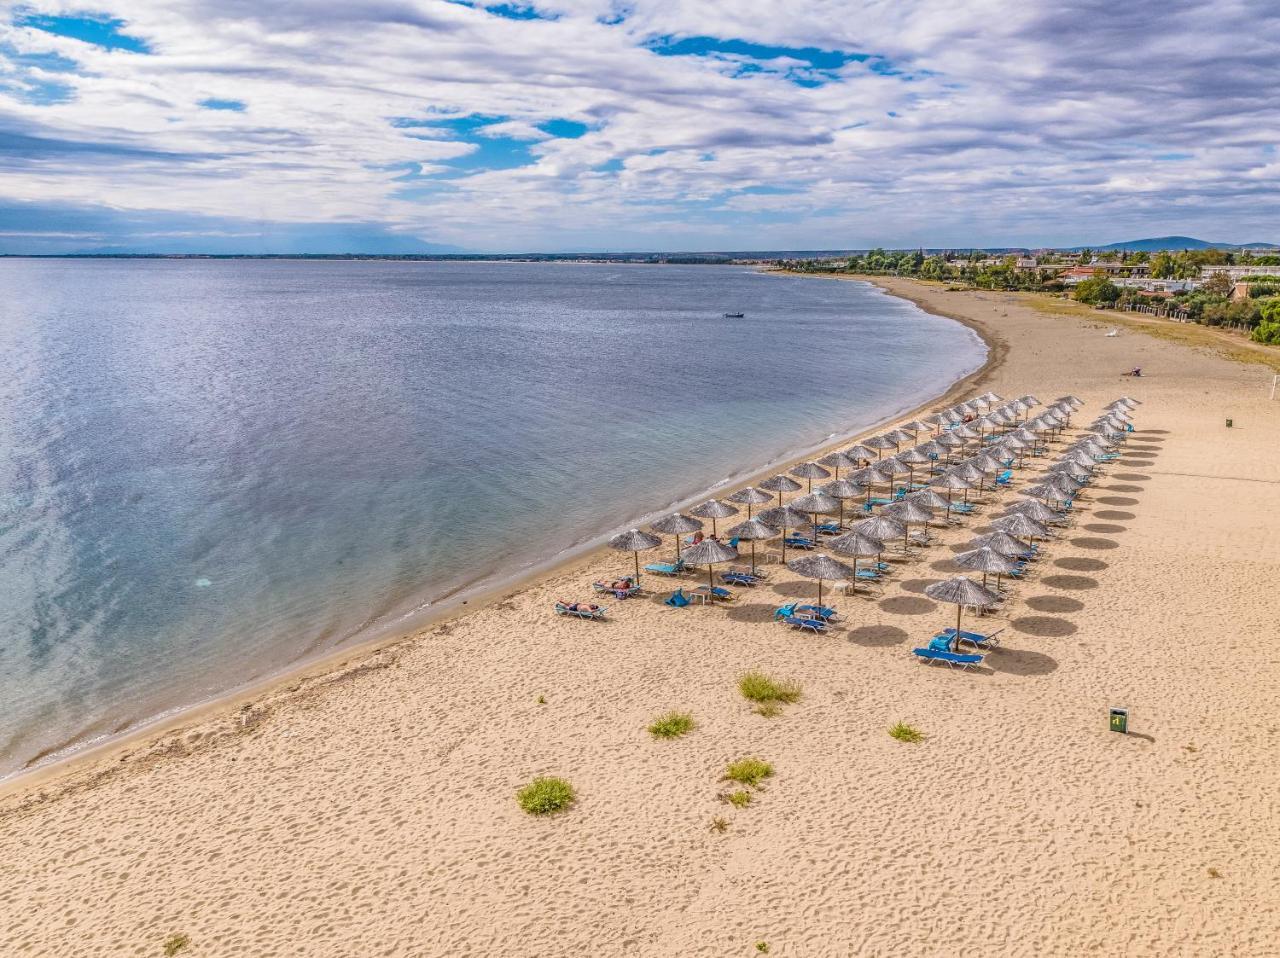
1156, 243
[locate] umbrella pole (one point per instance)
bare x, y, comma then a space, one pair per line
753, 556
711, 583
819, 593
677, 548
636, 556
855, 575
956, 643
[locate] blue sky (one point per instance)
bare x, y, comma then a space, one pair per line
402, 125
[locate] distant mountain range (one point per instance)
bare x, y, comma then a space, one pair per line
1156, 243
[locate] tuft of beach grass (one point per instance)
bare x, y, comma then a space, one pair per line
905, 733
672, 725
758, 687
748, 771
546, 796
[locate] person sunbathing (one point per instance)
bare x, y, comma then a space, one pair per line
580, 606
620, 584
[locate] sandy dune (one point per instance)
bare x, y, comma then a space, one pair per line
371, 811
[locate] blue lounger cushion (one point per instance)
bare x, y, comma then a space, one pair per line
956, 660
973, 638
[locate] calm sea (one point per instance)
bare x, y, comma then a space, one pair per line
212, 469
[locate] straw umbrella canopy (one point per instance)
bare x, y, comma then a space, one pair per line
1021, 525
784, 517
1072, 470
987, 462
917, 426
1033, 508
779, 484
900, 436
713, 509
961, 591
676, 524
856, 545
990, 397
881, 527
1003, 543
880, 444
871, 476
842, 489
749, 497
951, 482
816, 503
810, 471
822, 568
635, 542
971, 473
862, 451
930, 499
907, 513
753, 531
710, 552
988, 561
911, 458
839, 460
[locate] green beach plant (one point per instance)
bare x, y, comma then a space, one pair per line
546, 795
672, 725
175, 944
748, 771
738, 799
719, 825
758, 687
769, 709
905, 733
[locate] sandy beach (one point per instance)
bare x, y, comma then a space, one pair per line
369, 808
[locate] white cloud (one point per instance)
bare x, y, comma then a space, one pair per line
1012, 123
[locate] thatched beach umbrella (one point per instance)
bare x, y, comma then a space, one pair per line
842, 489
817, 503
908, 511
839, 460
880, 444
900, 436
961, 591
1002, 542
1034, 509
784, 518
861, 452
753, 531
676, 524
988, 561
635, 542
810, 471
821, 567
911, 458
952, 483
930, 499
713, 509
749, 497
710, 552
856, 545
881, 527
779, 484
1022, 526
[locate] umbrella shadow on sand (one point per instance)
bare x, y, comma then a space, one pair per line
1045, 626
1022, 662
877, 636
750, 611
907, 605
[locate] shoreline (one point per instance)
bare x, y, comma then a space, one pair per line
460, 602
373, 808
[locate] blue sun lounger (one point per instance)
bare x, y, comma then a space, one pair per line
617, 593
799, 542
665, 568
976, 639
572, 609
809, 611
964, 508
955, 660
1005, 478
739, 578
811, 625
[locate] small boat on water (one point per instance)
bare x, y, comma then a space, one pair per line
734, 315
